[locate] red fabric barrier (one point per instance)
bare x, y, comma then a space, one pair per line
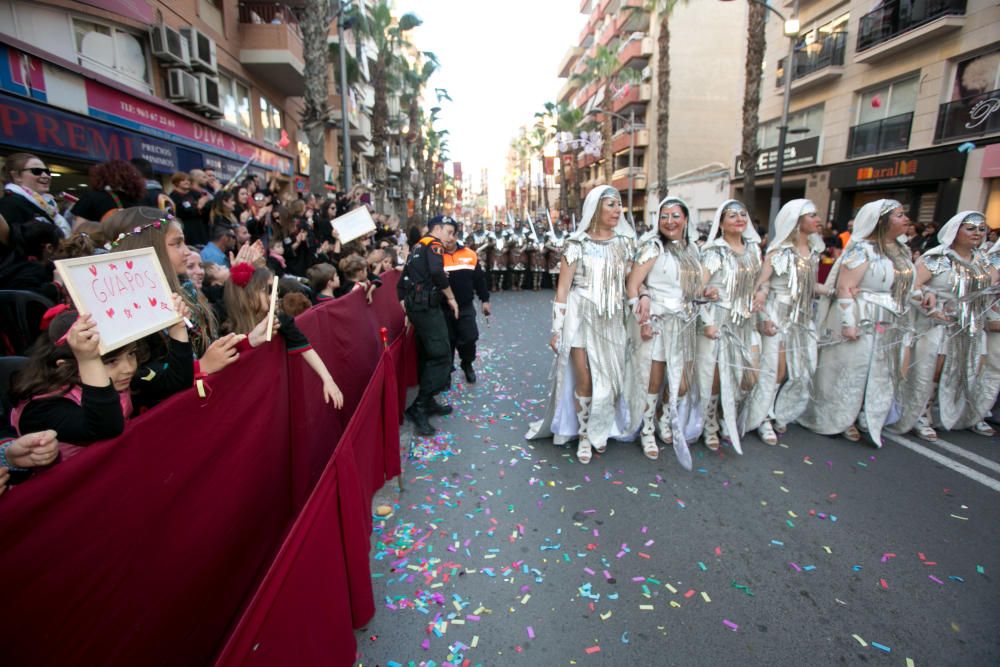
149, 548
141, 549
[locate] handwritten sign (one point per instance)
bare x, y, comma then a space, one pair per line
354, 224
125, 292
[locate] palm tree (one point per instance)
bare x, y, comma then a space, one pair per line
663, 9
567, 119
603, 69
415, 77
751, 98
387, 34
317, 15
539, 138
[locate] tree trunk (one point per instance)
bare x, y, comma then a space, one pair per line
751, 101
662, 105
315, 25
609, 158
545, 188
575, 203
380, 131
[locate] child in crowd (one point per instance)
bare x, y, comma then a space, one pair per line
247, 299
355, 271
324, 281
294, 304
276, 257
69, 387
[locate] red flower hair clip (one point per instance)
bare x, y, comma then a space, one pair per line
50, 315
241, 274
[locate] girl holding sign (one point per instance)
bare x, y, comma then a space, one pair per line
248, 303
69, 387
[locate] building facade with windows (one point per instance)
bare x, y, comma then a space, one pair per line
707, 43
899, 99
185, 84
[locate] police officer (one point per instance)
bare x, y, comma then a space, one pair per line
420, 290
467, 280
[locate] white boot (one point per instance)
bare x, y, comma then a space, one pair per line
924, 428
583, 450
712, 423
665, 425
648, 437
767, 434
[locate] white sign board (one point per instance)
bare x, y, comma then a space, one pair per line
354, 224
125, 292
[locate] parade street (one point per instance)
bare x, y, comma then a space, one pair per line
817, 551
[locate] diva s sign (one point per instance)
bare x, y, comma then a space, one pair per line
126, 292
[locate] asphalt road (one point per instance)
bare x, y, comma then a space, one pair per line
814, 552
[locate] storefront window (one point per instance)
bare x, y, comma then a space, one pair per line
235, 100
270, 120
112, 52
977, 75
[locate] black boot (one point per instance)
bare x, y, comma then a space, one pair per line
417, 412
470, 373
434, 408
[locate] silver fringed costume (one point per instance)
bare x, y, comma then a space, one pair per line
985, 395
789, 306
673, 284
959, 287
857, 381
736, 350
594, 321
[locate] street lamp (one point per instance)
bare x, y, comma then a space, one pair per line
791, 30
631, 150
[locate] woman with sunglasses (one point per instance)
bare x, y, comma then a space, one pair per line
944, 378
26, 193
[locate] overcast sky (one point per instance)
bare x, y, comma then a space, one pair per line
499, 62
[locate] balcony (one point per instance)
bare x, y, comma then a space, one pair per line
566, 92
897, 26
607, 33
880, 136
620, 140
619, 179
569, 60
584, 160
632, 17
271, 46
636, 53
636, 94
820, 61
969, 117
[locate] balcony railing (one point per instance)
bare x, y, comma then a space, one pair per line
969, 117
888, 134
896, 17
267, 12
827, 52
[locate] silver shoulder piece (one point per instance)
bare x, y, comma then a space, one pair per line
858, 254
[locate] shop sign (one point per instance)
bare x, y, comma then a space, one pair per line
903, 169
802, 153
121, 108
34, 127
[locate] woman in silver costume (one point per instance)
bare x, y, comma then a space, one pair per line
985, 396
858, 373
946, 364
588, 330
783, 299
665, 282
729, 346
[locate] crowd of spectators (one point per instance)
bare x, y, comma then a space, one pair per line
219, 246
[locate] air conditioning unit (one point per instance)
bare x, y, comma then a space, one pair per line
647, 73
201, 49
169, 45
208, 95
183, 87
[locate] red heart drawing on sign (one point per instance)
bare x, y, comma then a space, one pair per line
128, 263
93, 270
135, 305
110, 312
113, 267
152, 301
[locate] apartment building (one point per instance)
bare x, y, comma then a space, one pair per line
185, 84
897, 98
707, 47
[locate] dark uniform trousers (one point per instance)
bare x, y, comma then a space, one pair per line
435, 354
463, 333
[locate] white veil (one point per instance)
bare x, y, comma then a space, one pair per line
946, 235
590, 204
787, 222
749, 234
